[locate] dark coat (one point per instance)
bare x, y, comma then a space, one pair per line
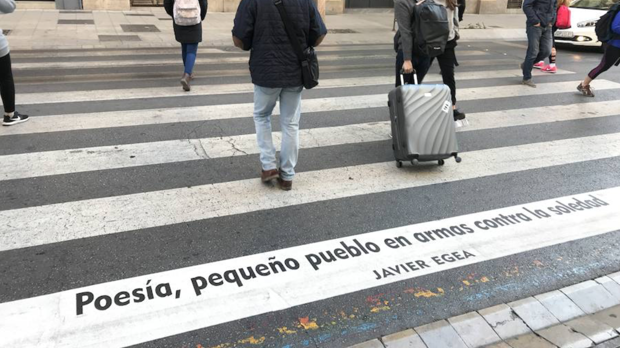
541, 12
191, 34
273, 63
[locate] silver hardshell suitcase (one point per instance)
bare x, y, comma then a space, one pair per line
423, 126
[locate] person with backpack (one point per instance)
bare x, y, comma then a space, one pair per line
608, 32
446, 57
541, 16
447, 60
187, 18
7, 85
563, 21
277, 73
408, 62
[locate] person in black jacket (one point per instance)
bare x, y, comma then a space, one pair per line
188, 37
540, 20
277, 75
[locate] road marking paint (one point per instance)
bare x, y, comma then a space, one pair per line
166, 92
121, 313
132, 62
45, 163
201, 51
61, 222
114, 119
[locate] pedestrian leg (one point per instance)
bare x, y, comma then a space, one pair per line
290, 112
264, 102
7, 91
533, 49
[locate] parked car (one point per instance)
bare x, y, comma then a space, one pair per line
584, 15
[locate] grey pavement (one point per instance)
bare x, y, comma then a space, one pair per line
524, 323
51, 29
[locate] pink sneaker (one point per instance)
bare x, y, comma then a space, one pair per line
550, 69
539, 65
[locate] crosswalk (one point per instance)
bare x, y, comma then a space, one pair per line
108, 178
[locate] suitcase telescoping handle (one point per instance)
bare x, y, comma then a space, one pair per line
402, 77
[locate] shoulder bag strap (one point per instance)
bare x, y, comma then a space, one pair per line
290, 30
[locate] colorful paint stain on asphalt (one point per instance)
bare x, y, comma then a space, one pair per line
377, 313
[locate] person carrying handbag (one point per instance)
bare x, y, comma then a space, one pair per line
279, 35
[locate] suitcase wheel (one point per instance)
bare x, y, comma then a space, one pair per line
458, 159
399, 164
441, 162
414, 162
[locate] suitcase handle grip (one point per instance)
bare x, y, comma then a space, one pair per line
402, 78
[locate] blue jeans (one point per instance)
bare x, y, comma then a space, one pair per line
539, 43
188, 52
290, 111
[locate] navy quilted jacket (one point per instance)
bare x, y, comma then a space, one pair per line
541, 12
258, 24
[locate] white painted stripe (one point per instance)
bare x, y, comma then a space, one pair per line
52, 320
81, 219
216, 112
45, 163
36, 164
177, 62
201, 51
164, 92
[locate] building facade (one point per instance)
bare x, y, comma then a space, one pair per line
328, 7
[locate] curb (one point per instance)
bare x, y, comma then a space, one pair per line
582, 315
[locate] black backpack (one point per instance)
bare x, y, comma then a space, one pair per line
430, 28
603, 26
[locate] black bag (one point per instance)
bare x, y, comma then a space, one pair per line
431, 29
603, 26
308, 59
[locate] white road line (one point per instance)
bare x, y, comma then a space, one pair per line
123, 156
114, 315
165, 92
54, 223
36, 164
114, 119
178, 62
201, 51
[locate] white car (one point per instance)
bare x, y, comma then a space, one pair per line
584, 15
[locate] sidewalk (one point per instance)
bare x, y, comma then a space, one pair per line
583, 315
152, 27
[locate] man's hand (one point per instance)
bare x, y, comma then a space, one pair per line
537, 25
319, 41
407, 67
238, 43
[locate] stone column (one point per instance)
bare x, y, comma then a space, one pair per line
493, 6
320, 4
334, 7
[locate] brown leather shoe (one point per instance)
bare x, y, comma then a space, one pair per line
268, 175
185, 82
285, 184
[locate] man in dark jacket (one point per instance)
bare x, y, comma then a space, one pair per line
276, 74
540, 19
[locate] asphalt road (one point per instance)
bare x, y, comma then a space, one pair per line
57, 259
